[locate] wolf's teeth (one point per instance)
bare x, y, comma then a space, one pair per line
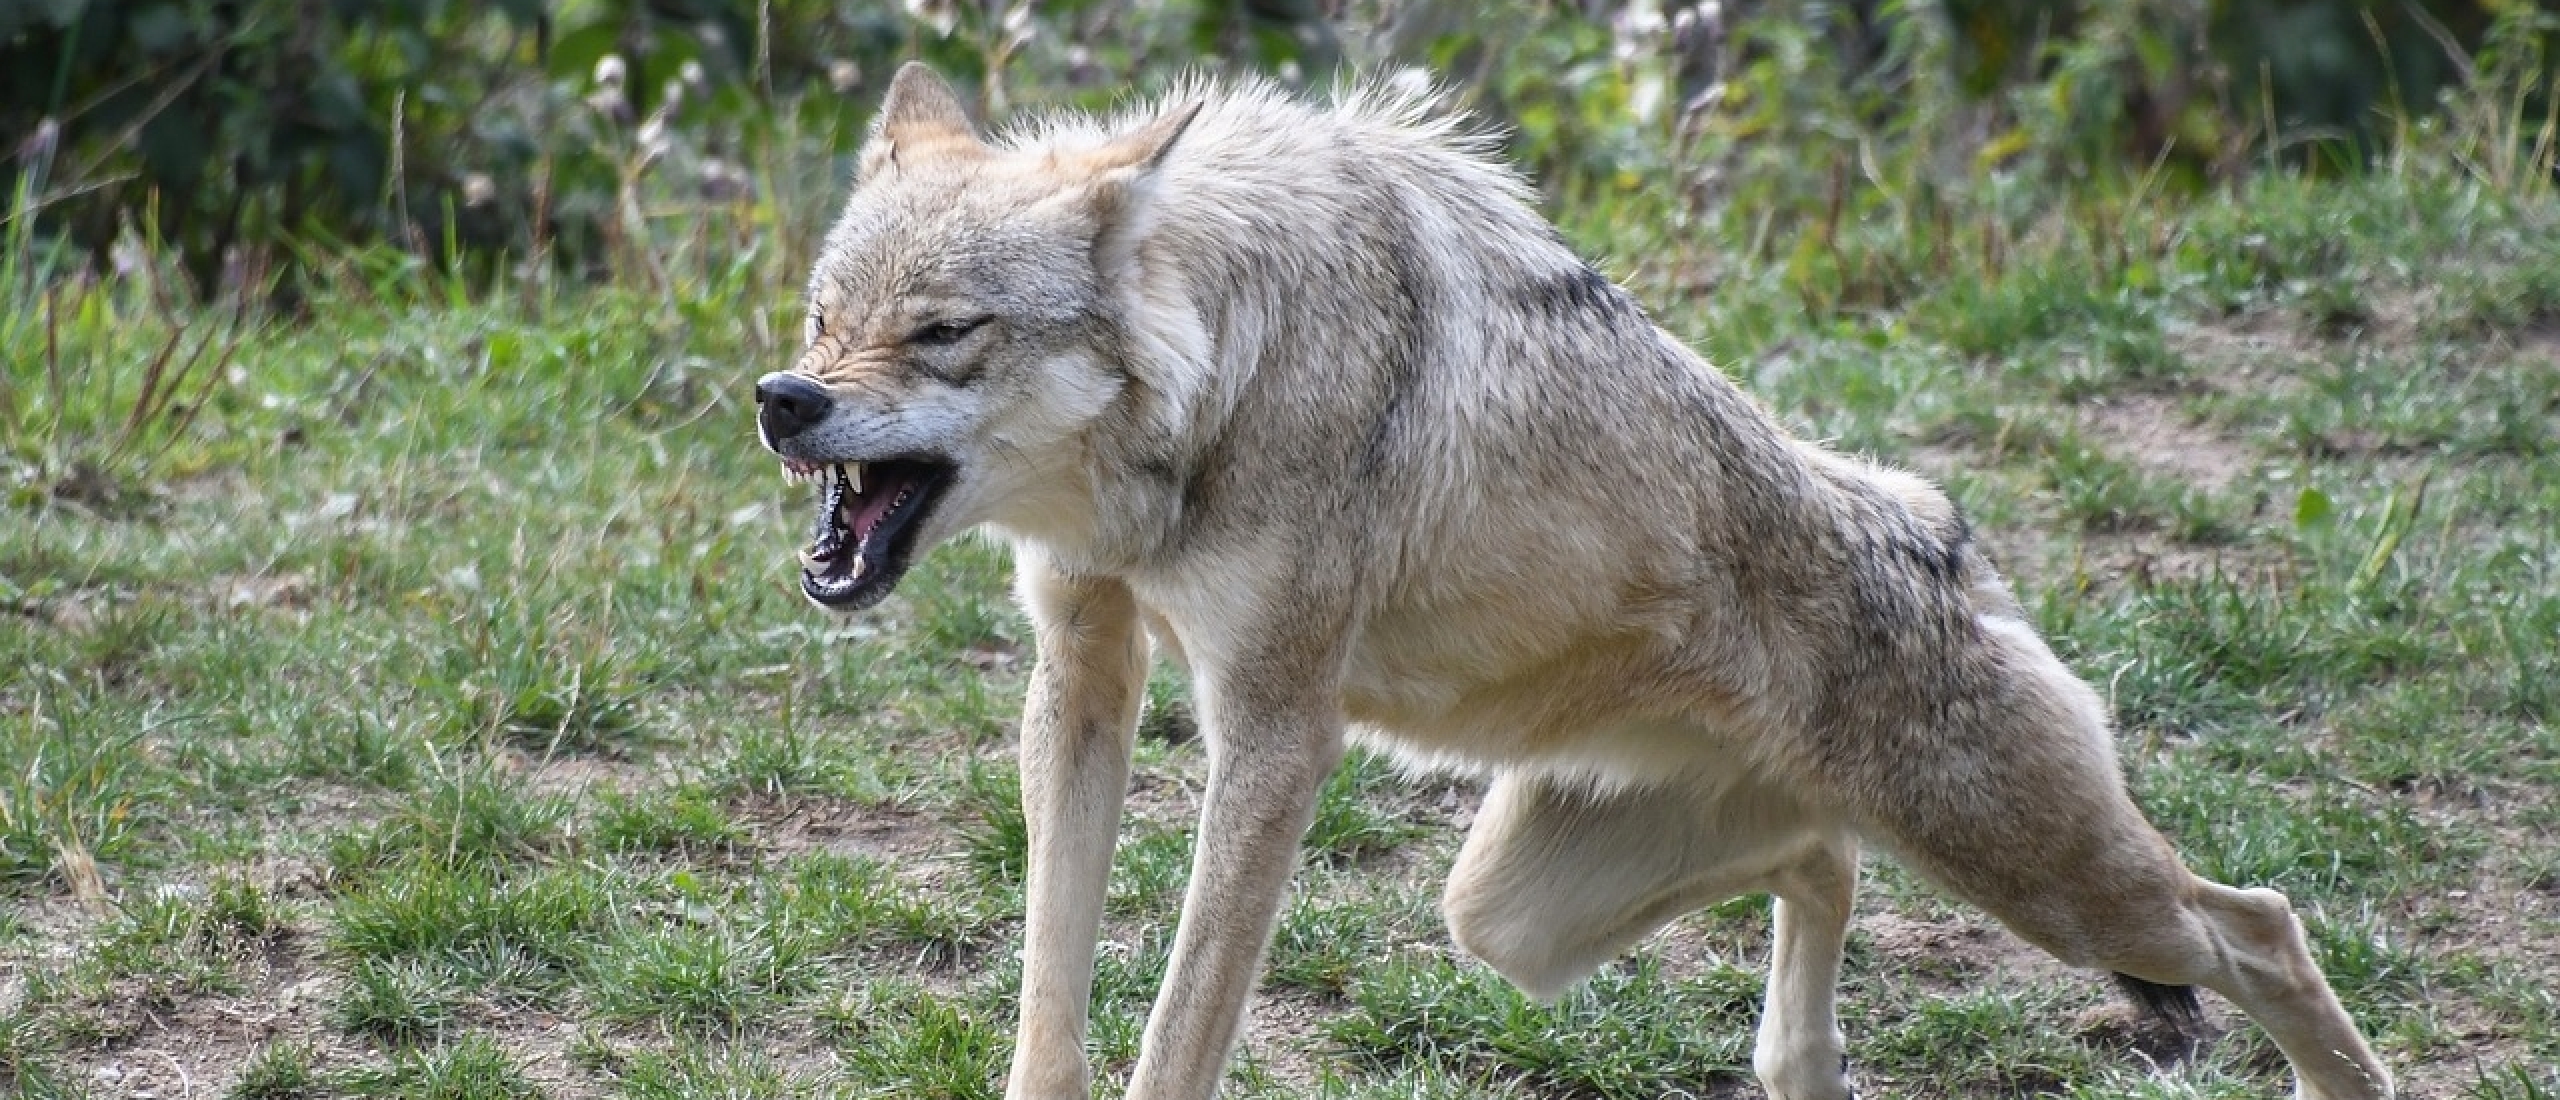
853, 474
859, 567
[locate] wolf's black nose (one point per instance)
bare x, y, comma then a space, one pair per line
787, 404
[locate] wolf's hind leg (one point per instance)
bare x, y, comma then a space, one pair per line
2137, 912
1555, 881
2042, 834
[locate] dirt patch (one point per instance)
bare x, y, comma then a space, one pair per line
888, 833
1956, 954
150, 1048
2251, 353
577, 776
1284, 1040
2152, 432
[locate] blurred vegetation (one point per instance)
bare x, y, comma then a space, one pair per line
249, 136
179, 174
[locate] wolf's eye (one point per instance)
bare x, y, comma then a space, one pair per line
944, 333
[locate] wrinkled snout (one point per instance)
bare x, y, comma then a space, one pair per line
788, 404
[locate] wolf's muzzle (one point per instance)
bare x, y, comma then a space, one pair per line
788, 404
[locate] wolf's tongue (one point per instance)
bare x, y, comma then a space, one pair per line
869, 508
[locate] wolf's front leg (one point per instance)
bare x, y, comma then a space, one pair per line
1270, 749
1077, 723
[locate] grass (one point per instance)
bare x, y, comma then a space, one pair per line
431, 683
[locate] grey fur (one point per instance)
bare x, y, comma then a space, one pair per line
1313, 398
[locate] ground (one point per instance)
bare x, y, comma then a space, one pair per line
433, 716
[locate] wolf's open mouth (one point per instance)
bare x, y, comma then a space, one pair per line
868, 516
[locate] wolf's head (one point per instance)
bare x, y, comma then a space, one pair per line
963, 333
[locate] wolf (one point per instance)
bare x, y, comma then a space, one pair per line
1308, 399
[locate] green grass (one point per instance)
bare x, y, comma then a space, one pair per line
475, 1068
1632, 1032
437, 691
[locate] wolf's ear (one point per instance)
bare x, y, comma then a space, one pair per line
1119, 184
920, 112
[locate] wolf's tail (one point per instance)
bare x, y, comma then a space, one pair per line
2174, 1005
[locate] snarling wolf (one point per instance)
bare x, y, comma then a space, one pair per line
1309, 400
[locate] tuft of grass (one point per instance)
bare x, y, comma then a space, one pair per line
717, 978
2329, 841
1167, 718
677, 820
172, 945
528, 677
1632, 1032
899, 1039
147, 370
2367, 960
1328, 939
785, 761
1149, 870
1350, 824
76, 781
478, 815
695, 1073
824, 903
1999, 1041
285, 1070
399, 1001
27, 1049
997, 835
2515, 1082
238, 910
358, 747
467, 923
474, 1068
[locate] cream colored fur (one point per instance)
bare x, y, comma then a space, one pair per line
1313, 397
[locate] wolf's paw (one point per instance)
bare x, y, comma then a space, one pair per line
1814, 1076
